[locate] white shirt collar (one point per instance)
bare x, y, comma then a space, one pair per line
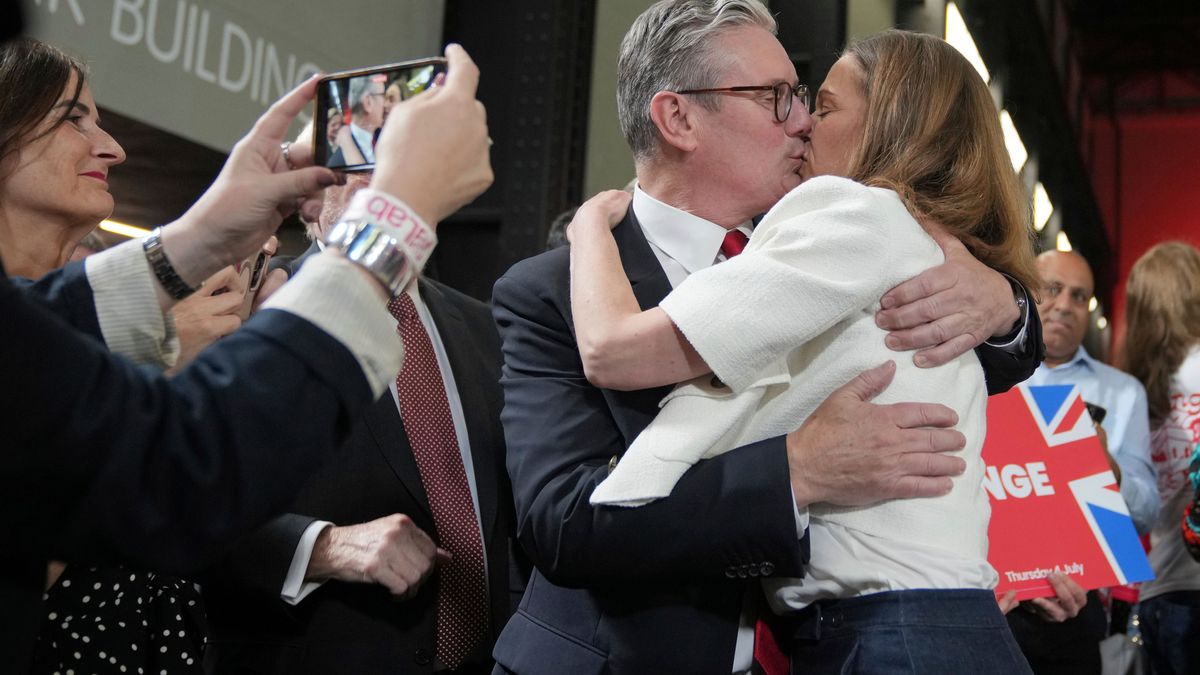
365, 140
688, 239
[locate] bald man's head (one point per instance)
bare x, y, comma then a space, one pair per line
1067, 288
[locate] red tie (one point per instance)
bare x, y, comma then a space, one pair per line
767, 654
462, 615
734, 243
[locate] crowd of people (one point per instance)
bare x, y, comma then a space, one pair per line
725, 430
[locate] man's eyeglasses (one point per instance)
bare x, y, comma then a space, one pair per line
784, 94
1077, 296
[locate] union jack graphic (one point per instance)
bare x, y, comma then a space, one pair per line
1059, 413
1082, 525
1107, 515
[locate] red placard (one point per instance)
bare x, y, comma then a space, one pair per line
1055, 502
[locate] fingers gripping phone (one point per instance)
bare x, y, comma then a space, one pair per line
352, 106
253, 270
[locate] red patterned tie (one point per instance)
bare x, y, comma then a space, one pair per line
767, 654
462, 614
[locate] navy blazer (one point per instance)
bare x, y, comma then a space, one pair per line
344, 627
654, 589
105, 461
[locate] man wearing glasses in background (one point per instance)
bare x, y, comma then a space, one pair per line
1054, 644
718, 123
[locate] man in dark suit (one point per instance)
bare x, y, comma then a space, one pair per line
672, 586
352, 580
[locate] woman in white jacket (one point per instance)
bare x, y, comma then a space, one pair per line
906, 148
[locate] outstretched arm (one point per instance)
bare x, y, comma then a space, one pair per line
621, 346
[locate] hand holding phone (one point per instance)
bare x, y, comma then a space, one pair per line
252, 271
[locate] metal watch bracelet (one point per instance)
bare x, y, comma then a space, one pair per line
171, 282
374, 249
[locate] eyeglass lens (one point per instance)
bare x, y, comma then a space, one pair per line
784, 93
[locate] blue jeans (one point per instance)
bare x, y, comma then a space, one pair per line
927, 631
1171, 631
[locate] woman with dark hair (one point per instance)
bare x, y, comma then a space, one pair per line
54, 158
906, 152
54, 164
1162, 350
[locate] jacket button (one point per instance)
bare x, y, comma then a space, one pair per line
766, 569
742, 572
422, 657
753, 571
731, 572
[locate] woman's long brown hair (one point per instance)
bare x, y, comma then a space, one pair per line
932, 134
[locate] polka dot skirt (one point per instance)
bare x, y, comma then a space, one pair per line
116, 620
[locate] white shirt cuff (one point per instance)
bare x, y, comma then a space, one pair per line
801, 517
335, 295
295, 588
132, 323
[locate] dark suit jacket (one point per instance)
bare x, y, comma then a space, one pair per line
357, 628
132, 466
656, 589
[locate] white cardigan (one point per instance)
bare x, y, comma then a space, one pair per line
783, 325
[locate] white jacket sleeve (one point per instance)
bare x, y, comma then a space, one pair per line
822, 254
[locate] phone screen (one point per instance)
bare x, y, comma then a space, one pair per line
352, 107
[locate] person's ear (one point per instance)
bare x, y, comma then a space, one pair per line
676, 118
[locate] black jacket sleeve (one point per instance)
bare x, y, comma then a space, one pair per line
156, 472
1003, 369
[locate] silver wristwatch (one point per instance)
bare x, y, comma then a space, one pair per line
374, 249
171, 282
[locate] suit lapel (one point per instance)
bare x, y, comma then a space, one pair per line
386, 428
646, 275
383, 420
633, 410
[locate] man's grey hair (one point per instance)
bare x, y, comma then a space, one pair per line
670, 47
359, 87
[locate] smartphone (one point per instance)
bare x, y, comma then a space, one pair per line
253, 270
352, 106
1096, 412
